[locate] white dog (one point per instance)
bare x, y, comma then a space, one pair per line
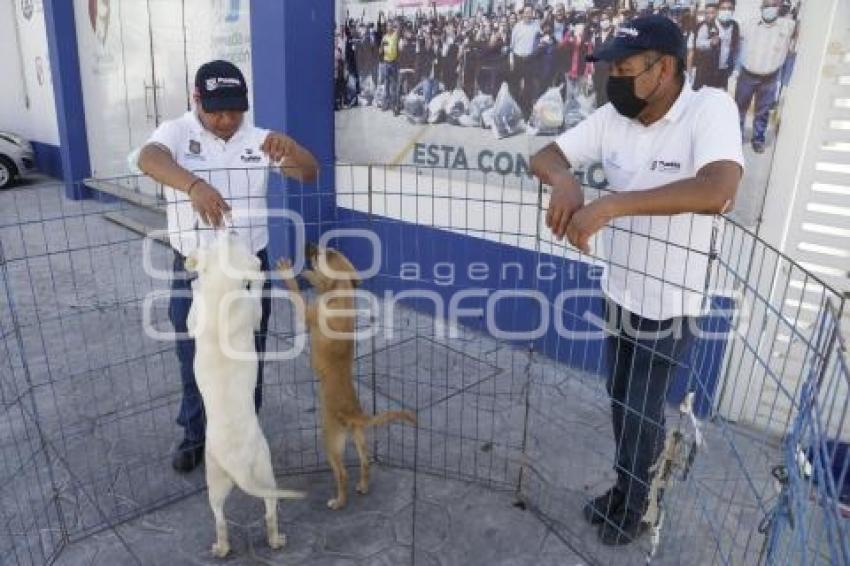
225, 313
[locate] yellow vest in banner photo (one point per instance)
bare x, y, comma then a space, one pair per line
390, 47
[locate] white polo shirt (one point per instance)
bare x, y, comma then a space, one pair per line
523, 38
656, 265
237, 168
765, 46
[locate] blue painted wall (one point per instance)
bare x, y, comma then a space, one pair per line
68, 95
292, 60
48, 159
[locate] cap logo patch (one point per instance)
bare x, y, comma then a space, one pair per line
626, 31
216, 82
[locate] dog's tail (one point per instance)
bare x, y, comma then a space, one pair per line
266, 493
251, 486
384, 418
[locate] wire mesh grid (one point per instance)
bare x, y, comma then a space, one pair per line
485, 326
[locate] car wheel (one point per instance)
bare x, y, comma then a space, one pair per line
7, 172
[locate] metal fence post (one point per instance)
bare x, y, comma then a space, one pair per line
373, 320
527, 408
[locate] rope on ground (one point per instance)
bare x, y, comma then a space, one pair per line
678, 456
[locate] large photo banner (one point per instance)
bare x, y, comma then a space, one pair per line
483, 84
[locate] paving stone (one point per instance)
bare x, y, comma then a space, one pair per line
433, 525
402, 555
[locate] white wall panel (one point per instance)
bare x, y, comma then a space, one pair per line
28, 106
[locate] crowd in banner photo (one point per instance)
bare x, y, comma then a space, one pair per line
521, 67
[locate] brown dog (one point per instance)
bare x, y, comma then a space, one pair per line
330, 322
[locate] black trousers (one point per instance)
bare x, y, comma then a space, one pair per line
643, 354
524, 83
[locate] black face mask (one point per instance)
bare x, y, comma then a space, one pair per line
621, 93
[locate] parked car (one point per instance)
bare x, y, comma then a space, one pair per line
17, 159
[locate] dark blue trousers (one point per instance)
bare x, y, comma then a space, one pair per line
764, 89
191, 415
391, 80
643, 355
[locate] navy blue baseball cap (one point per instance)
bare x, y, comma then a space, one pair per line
221, 86
656, 33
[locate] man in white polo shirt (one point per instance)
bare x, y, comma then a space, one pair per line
215, 165
766, 43
672, 156
524, 38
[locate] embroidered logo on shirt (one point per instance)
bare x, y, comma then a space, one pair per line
249, 156
665, 166
194, 151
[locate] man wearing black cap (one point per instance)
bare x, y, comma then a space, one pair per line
214, 165
672, 156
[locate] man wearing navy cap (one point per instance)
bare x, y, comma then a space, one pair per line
672, 157
213, 164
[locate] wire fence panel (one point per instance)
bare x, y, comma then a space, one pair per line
724, 427
103, 393
810, 521
31, 526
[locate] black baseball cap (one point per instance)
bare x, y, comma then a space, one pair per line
656, 33
221, 86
